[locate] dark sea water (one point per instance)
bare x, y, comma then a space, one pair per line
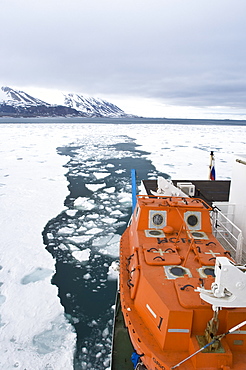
85, 290
139, 120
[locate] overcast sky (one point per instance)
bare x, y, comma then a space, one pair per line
151, 57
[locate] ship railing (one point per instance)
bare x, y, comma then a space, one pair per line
228, 234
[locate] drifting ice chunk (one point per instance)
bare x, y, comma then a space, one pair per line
109, 220
103, 196
63, 247
118, 213
73, 248
101, 175
94, 230
110, 190
125, 198
84, 203
93, 216
101, 241
80, 239
94, 187
39, 274
81, 229
71, 212
65, 230
90, 224
105, 333
87, 276
112, 247
113, 271
82, 255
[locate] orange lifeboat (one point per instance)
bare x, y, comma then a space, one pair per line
168, 263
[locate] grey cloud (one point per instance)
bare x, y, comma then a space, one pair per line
186, 53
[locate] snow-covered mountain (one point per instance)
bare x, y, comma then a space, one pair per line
93, 106
15, 103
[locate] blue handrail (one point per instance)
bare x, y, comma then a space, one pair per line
134, 189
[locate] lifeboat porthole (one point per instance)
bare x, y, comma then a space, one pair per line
197, 234
178, 271
157, 219
209, 271
155, 232
192, 220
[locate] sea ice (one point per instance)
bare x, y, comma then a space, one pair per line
94, 187
38, 274
84, 203
117, 212
101, 241
92, 216
65, 230
82, 255
81, 229
125, 198
87, 276
101, 175
103, 196
71, 212
110, 190
112, 246
113, 272
63, 247
50, 340
79, 239
94, 231
109, 220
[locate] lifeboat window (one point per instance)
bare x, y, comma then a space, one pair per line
173, 272
177, 271
198, 235
157, 219
154, 233
209, 271
193, 220
206, 271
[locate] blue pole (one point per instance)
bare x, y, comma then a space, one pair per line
134, 189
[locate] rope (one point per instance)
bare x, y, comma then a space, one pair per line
217, 338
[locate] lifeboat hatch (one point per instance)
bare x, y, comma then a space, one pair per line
154, 233
206, 271
198, 235
174, 272
157, 219
193, 220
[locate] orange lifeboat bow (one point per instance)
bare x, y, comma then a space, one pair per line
167, 253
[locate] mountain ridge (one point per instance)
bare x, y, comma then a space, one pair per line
17, 103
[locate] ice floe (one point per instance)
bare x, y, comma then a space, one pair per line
84, 203
101, 175
83, 255
94, 187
